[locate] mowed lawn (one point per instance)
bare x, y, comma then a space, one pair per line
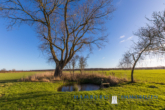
15, 76
44, 95
155, 75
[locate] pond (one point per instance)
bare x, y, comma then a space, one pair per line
82, 87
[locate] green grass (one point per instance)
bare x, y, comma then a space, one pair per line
44, 95
15, 76
140, 75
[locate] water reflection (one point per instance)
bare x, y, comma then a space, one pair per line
83, 87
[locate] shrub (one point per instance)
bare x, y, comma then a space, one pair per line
45, 80
75, 87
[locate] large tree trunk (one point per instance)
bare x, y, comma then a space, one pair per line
58, 71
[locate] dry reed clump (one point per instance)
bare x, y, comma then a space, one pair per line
56, 78
83, 78
43, 77
2, 85
45, 80
93, 78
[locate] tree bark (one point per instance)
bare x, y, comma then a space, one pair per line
132, 79
58, 71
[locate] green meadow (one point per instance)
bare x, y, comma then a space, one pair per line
139, 75
44, 95
15, 76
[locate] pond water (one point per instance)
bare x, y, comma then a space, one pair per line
82, 87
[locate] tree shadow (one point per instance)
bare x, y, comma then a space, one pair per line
35, 100
30, 95
129, 83
159, 83
152, 86
6, 81
125, 83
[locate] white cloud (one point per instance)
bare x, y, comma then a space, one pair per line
130, 38
122, 36
122, 41
103, 58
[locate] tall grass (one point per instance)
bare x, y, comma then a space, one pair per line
80, 78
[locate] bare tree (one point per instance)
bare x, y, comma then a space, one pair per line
73, 62
126, 61
151, 41
64, 26
82, 63
158, 23
137, 52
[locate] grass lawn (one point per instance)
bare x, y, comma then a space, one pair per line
140, 75
44, 95
15, 76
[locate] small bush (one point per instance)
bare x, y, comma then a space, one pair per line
45, 80
75, 87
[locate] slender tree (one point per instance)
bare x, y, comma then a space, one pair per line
73, 62
146, 43
64, 26
82, 63
152, 41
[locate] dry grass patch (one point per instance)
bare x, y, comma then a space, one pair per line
94, 78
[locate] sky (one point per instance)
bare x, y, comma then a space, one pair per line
19, 46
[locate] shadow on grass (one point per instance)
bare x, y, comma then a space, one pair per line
152, 86
6, 81
16, 80
125, 83
160, 83
41, 100
31, 95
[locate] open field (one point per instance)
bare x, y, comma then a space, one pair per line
141, 75
15, 76
44, 95
154, 75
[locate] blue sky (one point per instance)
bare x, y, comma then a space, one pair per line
19, 46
